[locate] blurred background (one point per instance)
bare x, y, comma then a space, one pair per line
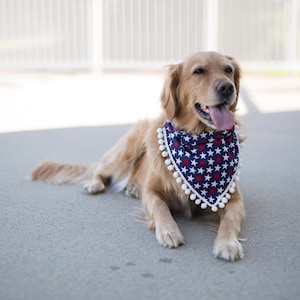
92, 62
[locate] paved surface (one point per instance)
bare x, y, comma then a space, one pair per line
56, 242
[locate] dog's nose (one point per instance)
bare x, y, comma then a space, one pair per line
225, 88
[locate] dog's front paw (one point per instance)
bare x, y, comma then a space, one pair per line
94, 186
169, 236
230, 250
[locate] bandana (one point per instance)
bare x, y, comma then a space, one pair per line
206, 165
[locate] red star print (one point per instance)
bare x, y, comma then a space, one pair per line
199, 178
186, 162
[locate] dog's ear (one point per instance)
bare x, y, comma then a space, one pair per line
169, 98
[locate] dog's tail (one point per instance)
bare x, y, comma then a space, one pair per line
59, 173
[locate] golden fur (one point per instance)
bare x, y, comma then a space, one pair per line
137, 156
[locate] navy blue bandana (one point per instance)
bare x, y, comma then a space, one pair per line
206, 165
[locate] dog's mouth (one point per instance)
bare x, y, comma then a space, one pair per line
219, 116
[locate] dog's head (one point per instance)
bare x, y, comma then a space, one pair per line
202, 91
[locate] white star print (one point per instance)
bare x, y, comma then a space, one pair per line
203, 193
192, 170
210, 153
207, 177
209, 169
190, 178
218, 150
200, 171
184, 170
226, 157
211, 161
202, 155
225, 166
211, 199
187, 138
197, 186
217, 168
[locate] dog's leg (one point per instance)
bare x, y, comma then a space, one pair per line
227, 245
160, 218
118, 161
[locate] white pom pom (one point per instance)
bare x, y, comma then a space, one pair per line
198, 201
214, 208
175, 174
233, 185
237, 127
228, 196
203, 205
161, 142
237, 178
241, 136
232, 190
238, 172
187, 191
221, 205
162, 147
171, 167
167, 161
165, 154
224, 200
184, 186
159, 130
160, 135
193, 197
178, 180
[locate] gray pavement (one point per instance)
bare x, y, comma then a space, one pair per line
57, 242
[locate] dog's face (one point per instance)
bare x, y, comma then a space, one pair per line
202, 92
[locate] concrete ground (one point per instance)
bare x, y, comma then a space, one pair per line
57, 242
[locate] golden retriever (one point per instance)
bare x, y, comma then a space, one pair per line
198, 99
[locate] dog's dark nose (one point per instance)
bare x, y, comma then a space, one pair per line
225, 88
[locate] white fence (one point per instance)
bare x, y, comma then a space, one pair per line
143, 34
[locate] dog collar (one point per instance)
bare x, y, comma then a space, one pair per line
206, 165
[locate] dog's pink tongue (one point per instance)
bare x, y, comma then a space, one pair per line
222, 117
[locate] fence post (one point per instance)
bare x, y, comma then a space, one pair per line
291, 47
210, 18
97, 35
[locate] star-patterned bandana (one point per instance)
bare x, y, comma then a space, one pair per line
206, 165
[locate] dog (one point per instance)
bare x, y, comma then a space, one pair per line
198, 101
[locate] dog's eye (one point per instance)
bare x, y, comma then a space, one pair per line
228, 70
199, 71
